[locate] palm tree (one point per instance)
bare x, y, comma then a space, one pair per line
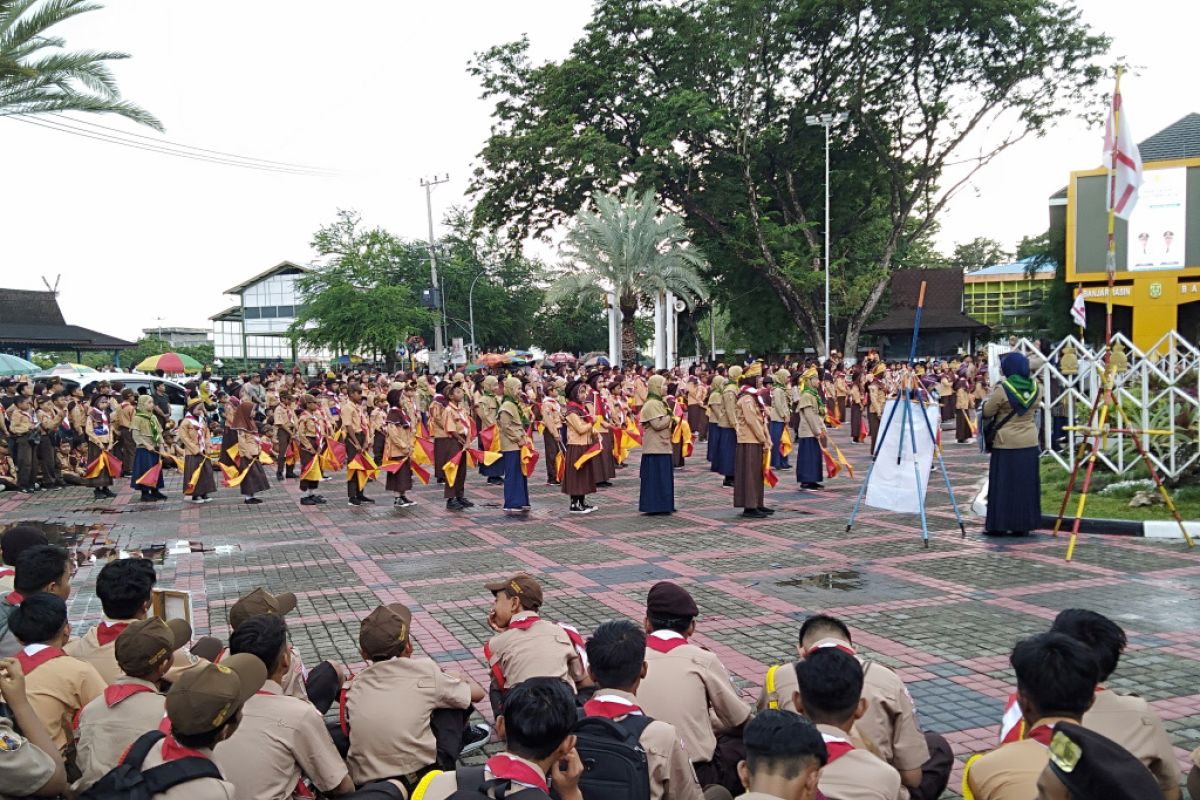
632, 249
38, 77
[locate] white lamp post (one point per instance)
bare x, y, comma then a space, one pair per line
826, 121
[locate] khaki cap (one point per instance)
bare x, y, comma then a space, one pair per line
144, 644
260, 601
206, 697
522, 586
385, 631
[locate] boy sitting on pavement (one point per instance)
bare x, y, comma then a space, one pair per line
30, 764
41, 568
784, 757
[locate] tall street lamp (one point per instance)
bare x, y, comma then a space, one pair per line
826, 121
471, 308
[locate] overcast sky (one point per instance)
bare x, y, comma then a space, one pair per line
379, 91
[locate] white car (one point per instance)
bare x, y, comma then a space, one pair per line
176, 393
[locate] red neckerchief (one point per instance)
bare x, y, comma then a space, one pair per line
836, 747
1042, 734
610, 707
578, 408
524, 624
441, 400
14, 597
106, 633
845, 648
31, 662
508, 768
173, 750
119, 691
660, 645
7, 572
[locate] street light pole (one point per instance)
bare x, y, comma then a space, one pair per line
471, 308
826, 121
439, 343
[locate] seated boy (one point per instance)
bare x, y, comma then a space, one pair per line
30, 764
890, 726
41, 568
58, 686
69, 467
540, 749
526, 646
13, 542
130, 705
689, 687
1084, 764
830, 695
784, 757
617, 665
405, 715
124, 587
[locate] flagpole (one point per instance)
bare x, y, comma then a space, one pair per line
1111, 258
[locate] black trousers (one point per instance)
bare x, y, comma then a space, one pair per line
46, 462
722, 769
23, 456
352, 490
935, 773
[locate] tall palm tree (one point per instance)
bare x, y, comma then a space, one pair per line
631, 248
38, 77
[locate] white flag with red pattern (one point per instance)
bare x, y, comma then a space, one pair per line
1122, 158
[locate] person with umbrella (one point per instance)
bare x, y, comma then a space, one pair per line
147, 438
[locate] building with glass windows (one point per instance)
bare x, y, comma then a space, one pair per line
1005, 297
255, 329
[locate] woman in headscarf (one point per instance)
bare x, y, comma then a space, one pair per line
193, 435
810, 436
1014, 483
579, 482
255, 478
657, 494
514, 428
147, 438
228, 436
398, 446
99, 439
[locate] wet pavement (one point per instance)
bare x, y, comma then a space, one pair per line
945, 616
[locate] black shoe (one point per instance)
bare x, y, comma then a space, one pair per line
307, 501
147, 498
754, 513
576, 509
765, 510
728, 481
157, 495
465, 503
494, 481
814, 486
603, 484
441, 480
278, 476
25, 490
320, 500
252, 501
552, 483
108, 492
354, 501
404, 502
365, 499
99, 494
474, 738
454, 504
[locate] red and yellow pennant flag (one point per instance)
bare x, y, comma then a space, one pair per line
311, 472
588, 455
450, 468
486, 457
150, 477
529, 459
292, 454
785, 442
769, 476
392, 466
832, 421
687, 440
422, 450
105, 462
421, 473
363, 468
195, 477
233, 477
634, 432
233, 452
863, 431
831, 467
264, 457
489, 437
560, 467
422, 431
971, 424
333, 457
842, 460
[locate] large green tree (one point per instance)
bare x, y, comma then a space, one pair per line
631, 248
37, 76
978, 253
707, 102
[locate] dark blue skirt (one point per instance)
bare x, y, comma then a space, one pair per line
658, 484
516, 485
1014, 491
777, 459
809, 465
714, 440
724, 459
142, 461
496, 470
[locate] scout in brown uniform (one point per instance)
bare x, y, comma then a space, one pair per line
831, 696
443, 445
457, 421
579, 482
406, 716
657, 490
876, 396
398, 446
1127, 720
58, 686
964, 403
617, 665
40, 568
22, 425
697, 393
49, 418
198, 479
889, 726
727, 465
487, 408
1056, 681
280, 738
357, 427
784, 756
604, 465
781, 412
30, 764
285, 431
122, 428
688, 687
513, 427
310, 439
552, 424
753, 440
130, 705
527, 646
244, 427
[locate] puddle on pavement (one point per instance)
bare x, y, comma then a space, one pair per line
94, 541
843, 580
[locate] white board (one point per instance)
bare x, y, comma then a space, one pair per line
893, 486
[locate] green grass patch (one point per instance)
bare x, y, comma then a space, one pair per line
1112, 503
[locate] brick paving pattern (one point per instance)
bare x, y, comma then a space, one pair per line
945, 617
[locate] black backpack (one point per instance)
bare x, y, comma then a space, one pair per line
472, 785
614, 761
127, 780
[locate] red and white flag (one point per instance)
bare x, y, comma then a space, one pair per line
1122, 158
1079, 310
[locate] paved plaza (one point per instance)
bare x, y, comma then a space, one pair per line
945, 616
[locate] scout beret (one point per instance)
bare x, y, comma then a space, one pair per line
671, 601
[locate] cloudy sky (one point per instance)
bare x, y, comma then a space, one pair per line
378, 91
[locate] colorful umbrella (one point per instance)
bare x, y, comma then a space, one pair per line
493, 359
560, 358
597, 361
169, 362
15, 365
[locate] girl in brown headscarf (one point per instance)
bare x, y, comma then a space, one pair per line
243, 425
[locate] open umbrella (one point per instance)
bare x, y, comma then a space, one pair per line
15, 365
560, 358
519, 357
493, 359
597, 360
347, 359
169, 362
68, 369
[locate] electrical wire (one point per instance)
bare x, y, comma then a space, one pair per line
164, 150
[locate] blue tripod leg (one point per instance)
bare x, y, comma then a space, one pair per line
862, 490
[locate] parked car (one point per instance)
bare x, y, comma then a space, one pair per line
176, 393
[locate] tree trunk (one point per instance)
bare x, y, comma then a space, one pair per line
629, 343
858, 320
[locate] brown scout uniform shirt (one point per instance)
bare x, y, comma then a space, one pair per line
23, 767
1130, 722
671, 774
859, 775
388, 706
446, 783
279, 738
682, 685
106, 731
1020, 431
104, 656
58, 689
890, 723
200, 788
656, 428
811, 425
512, 432
543, 650
1010, 772
748, 421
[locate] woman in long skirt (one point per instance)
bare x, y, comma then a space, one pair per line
578, 482
513, 425
716, 417
810, 468
457, 421
963, 403
657, 494
856, 407
254, 477
1014, 482
99, 440
552, 422
198, 480
398, 446
752, 437
147, 437
697, 419
228, 434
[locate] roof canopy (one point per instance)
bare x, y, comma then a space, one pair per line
943, 302
32, 320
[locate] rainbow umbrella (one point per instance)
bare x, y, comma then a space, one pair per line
169, 362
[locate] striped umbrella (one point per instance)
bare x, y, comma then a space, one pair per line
169, 362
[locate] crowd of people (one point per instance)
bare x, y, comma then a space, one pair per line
581, 424
635, 709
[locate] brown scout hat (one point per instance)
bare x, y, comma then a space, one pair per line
521, 586
667, 600
385, 631
206, 697
144, 644
260, 601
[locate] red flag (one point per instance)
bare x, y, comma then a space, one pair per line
529, 459
150, 477
831, 466
588, 455
560, 467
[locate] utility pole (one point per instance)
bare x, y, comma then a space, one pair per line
436, 363
826, 121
